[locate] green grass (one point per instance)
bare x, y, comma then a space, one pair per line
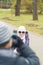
26, 20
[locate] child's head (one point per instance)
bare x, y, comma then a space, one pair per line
21, 31
4, 35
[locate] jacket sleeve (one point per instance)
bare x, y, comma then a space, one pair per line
28, 56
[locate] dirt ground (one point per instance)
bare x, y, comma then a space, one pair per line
36, 43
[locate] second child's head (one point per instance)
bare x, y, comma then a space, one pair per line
21, 31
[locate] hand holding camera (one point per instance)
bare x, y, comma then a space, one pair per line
17, 42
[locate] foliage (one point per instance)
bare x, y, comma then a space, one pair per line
25, 4
6, 1
12, 6
40, 6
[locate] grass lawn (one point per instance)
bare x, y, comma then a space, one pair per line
23, 19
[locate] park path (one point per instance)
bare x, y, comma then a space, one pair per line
36, 43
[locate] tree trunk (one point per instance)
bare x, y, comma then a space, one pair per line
35, 14
17, 8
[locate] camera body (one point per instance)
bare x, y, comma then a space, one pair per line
16, 40
15, 32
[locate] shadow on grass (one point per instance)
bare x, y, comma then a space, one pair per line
9, 19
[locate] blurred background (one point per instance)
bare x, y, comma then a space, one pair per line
23, 12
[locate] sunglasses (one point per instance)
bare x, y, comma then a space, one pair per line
21, 32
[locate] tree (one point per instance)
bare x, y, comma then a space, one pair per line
17, 8
35, 14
